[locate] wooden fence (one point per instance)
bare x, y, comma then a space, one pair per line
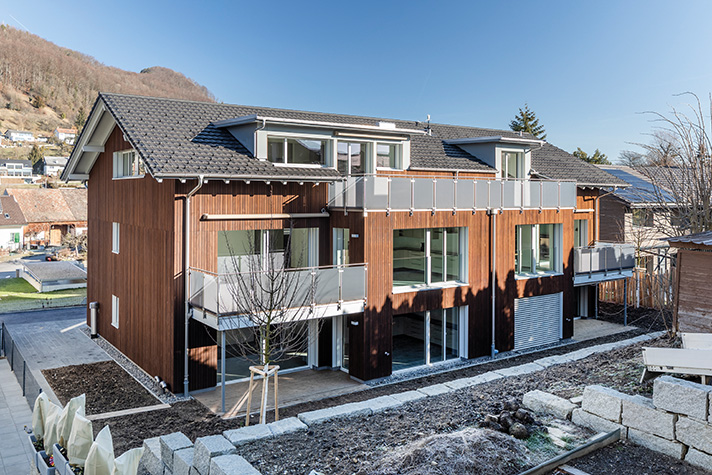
644, 290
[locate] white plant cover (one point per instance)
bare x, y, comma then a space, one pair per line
127, 464
38, 415
51, 418
66, 418
100, 460
80, 440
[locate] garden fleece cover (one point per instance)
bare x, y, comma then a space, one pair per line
39, 412
127, 464
51, 418
80, 440
75, 405
100, 460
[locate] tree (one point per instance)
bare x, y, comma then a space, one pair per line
80, 119
37, 158
597, 158
526, 121
631, 158
272, 301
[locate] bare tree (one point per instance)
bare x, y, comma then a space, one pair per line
273, 296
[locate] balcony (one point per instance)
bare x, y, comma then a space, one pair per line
406, 193
602, 262
329, 290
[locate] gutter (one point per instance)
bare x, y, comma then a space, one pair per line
493, 217
186, 265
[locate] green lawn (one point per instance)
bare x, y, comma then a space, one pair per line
17, 294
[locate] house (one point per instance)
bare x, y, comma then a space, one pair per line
16, 168
693, 300
12, 222
51, 213
65, 135
53, 166
19, 135
641, 214
430, 242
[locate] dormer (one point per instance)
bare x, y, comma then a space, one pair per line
351, 148
510, 156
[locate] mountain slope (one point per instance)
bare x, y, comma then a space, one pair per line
43, 85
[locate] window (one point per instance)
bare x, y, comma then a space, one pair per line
643, 217
538, 249
341, 246
245, 251
580, 232
513, 165
388, 156
428, 256
297, 151
128, 164
115, 311
352, 157
16, 237
115, 238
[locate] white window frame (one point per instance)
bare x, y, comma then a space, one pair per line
557, 256
137, 167
521, 165
462, 255
399, 155
369, 164
115, 237
329, 162
114, 311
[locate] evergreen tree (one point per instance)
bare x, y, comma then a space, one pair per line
526, 121
597, 158
80, 119
37, 158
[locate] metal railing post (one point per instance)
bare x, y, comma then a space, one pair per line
474, 196
388, 208
412, 195
435, 196
454, 196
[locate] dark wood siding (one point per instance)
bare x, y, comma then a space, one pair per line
693, 299
612, 215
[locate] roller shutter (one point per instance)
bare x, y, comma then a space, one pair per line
537, 320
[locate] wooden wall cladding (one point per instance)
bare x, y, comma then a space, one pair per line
141, 275
588, 199
693, 301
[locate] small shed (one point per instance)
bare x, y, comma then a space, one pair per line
49, 276
693, 295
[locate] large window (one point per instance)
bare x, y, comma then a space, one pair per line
643, 217
428, 337
247, 250
297, 151
513, 165
352, 157
538, 249
128, 164
428, 256
388, 156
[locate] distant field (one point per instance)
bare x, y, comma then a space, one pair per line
17, 294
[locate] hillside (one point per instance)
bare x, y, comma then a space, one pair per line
43, 85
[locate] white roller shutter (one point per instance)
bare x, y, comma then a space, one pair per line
537, 320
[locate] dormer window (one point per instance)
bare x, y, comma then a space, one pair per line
297, 151
352, 157
513, 165
389, 156
127, 164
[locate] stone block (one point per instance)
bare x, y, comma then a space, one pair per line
599, 424
151, 457
603, 402
383, 403
577, 400
183, 461
409, 396
435, 390
640, 413
231, 465
286, 426
540, 401
463, 383
700, 459
353, 409
549, 361
520, 370
695, 434
682, 397
658, 444
245, 435
170, 443
207, 448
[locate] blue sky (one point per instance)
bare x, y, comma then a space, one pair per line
588, 69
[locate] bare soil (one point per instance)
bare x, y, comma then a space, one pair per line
107, 387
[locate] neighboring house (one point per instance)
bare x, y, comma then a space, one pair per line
428, 242
16, 168
12, 222
65, 135
53, 166
19, 135
51, 213
693, 299
640, 215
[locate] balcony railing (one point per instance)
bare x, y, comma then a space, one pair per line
313, 286
406, 193
604, 261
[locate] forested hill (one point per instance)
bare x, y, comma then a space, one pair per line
44, 85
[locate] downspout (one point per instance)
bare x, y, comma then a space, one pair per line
493, 216
186, 265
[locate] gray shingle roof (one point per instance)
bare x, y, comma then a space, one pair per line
176, 137
704, 238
